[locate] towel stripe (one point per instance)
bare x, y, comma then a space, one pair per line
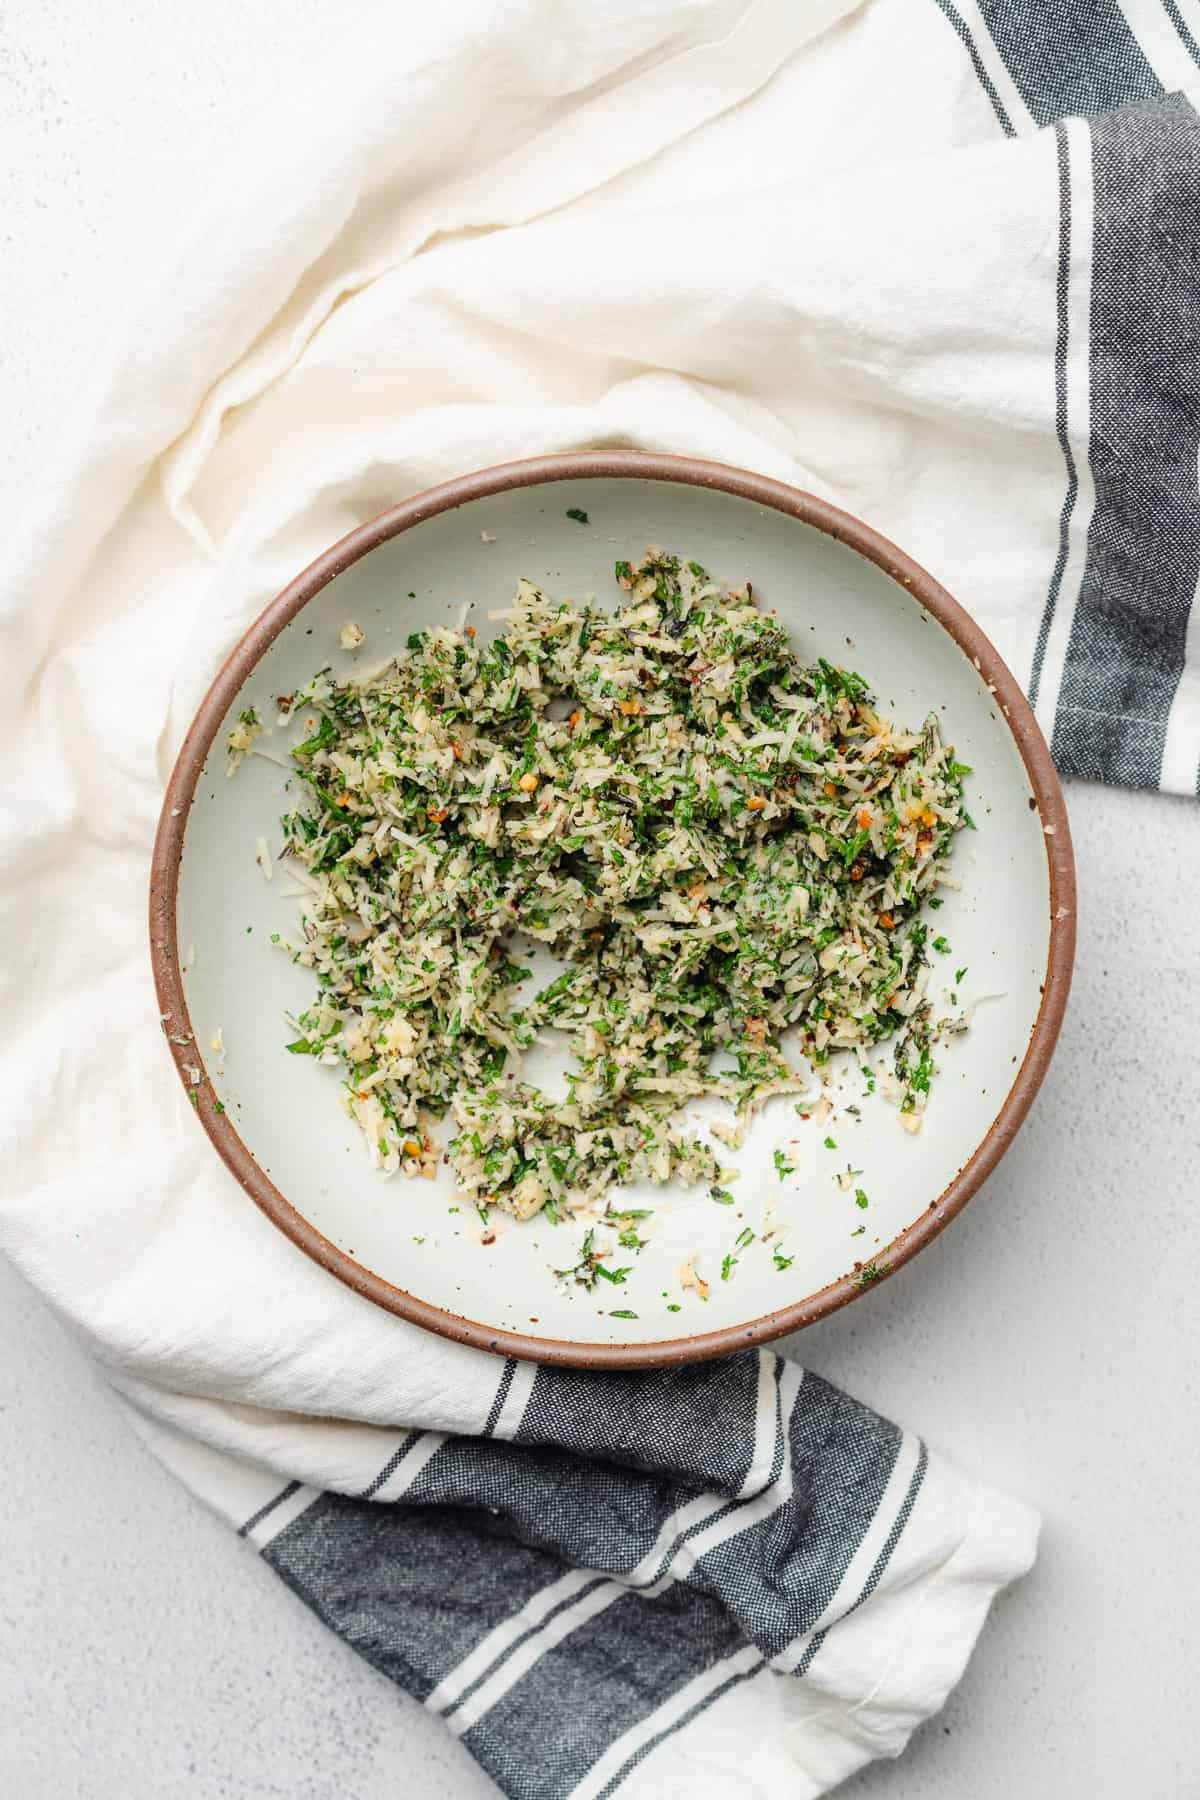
796, 1655
1181, 750
1128, 638
705, 1690
263, 1511
600, 1680
273, 1520
1185, 36
893, 1537
1060, 408
502, 1392
511, 1635
967, 39
391, 1465
1069, 56
516, 1388
1163, 40
878, 1569
600, 1415
655, 1642
408, 1587
1073, 366
512, 1648
402, 1472
699, 1694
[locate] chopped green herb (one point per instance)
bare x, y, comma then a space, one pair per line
324, 738
590, 1267
625, 1224
923, 1072
689, 843
577, 513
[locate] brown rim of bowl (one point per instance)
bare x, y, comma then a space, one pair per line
1012, 705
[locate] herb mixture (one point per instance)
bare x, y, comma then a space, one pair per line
724, 847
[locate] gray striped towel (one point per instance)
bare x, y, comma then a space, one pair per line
729, 1579
937, 260
1115, 670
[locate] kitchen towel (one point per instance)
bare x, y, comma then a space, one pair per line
935, 261
724, 1580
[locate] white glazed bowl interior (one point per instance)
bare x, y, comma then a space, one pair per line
285, 1109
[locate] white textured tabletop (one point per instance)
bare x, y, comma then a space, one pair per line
1049, 1340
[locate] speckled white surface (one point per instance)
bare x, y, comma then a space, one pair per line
1049, 1340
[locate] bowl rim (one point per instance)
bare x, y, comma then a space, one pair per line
811, 510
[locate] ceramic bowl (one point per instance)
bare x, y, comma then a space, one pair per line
845, 593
